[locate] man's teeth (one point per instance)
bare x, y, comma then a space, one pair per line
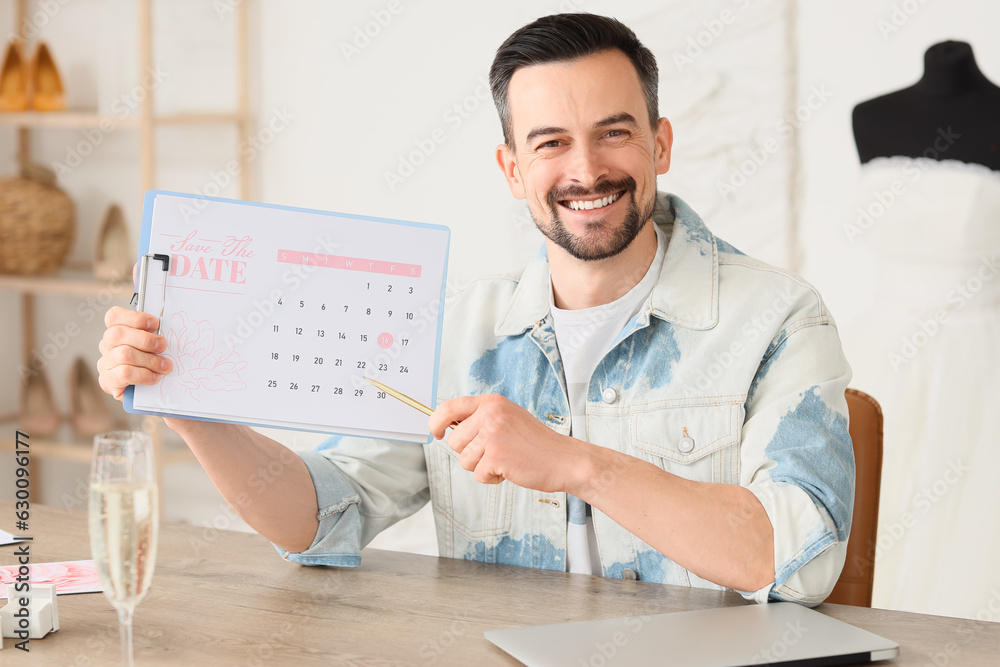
593, 203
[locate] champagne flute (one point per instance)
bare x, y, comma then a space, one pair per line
124, 520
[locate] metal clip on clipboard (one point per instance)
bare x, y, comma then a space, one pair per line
139, 298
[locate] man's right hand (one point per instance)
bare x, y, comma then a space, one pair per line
130, 350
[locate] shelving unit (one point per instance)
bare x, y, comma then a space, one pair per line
80, 281
86, 119
62, 119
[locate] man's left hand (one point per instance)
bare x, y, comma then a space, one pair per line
499, 440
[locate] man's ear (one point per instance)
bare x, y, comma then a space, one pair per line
664, 140
507, 161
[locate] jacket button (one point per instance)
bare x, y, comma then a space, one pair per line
630, 574
609, 395
686, 444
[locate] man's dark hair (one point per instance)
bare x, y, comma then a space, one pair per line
566, 37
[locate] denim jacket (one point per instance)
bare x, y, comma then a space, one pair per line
732, 372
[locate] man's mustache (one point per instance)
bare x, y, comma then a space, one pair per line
603, 188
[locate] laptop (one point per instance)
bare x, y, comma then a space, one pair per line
781, 633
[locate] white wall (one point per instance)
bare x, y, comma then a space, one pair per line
734, 74
363, 113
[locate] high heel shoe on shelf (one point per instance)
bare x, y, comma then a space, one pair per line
46, 84
92, 411
113, 252
14, 79
38, 414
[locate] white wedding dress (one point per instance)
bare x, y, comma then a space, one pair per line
929, 352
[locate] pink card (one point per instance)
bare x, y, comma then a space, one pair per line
77, 576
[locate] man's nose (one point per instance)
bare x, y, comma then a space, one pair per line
587, 166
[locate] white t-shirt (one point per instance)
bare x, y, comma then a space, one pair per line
584, 336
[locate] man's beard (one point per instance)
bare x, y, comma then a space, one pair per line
599, 242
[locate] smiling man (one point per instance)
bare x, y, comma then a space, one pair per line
590, 181
589, 437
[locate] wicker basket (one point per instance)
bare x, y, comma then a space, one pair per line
36, 223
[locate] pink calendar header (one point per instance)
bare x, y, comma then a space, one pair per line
349, 263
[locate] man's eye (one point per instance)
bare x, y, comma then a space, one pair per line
551, 143
617, 133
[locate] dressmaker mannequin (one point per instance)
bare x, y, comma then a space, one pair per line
952, 113
926, 348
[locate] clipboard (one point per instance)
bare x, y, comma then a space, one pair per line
275, 315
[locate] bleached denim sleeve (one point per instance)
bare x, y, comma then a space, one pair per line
798, 460
363, 486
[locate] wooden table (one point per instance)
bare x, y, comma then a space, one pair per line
227, 598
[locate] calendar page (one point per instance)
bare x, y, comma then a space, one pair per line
274, 316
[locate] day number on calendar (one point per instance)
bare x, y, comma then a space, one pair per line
321, 344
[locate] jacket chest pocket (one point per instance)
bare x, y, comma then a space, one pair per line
475, 510
698, 442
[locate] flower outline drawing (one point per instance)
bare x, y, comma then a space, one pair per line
202, 360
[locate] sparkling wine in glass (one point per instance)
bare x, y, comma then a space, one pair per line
124, 520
